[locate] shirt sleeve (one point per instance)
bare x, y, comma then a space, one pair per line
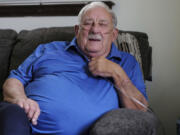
25, 71
137, 79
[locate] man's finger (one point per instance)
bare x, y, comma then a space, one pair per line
35, 116
31, 111
91, 63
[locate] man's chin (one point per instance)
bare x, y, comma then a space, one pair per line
94, 47
94, 53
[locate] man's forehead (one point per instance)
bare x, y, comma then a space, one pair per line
98, 19
97, 14
97, 11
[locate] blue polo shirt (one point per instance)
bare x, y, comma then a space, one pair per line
56, 75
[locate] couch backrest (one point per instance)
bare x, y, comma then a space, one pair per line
26, 41
7, 40
135, 43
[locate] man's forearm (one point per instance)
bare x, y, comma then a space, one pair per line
128, 92
13, 89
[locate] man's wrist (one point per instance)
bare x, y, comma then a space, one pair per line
14, 99
120, 77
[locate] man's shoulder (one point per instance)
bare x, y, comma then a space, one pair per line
127, 56
55, 45
124, 56
128, 59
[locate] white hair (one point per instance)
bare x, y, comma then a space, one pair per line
97, 4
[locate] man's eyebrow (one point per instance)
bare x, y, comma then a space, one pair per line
88, 19
103, 21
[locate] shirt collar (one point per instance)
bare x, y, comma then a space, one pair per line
71, 44
114, 53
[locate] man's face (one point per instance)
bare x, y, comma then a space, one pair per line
95, 32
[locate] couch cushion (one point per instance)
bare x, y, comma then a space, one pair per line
7, 40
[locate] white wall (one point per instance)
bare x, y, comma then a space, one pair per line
160, 20
19, 23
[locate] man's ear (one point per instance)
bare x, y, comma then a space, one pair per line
76, 29
115, 34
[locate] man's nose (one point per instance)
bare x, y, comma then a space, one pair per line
95, 28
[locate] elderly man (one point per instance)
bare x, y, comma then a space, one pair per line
65, 87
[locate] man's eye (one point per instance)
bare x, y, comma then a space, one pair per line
88, 23
103, 24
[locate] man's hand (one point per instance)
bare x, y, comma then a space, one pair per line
13, 91
100, 66
31, 108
